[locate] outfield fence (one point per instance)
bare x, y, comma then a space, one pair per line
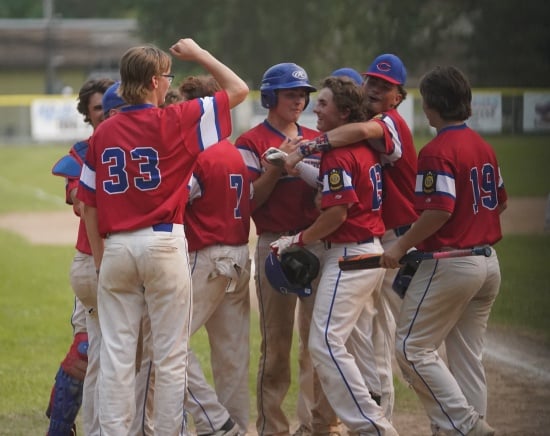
39, 119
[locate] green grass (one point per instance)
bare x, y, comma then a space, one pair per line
524, 299
26, 181
35, 331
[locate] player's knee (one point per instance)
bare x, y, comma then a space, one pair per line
400, 351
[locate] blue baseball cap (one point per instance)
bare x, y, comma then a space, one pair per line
348, 72
388, 67
111, 99
279, 281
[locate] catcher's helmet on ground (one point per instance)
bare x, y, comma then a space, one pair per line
283, 76
295, 271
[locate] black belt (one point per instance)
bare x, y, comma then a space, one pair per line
328, 244
400, 231
163, 227
291, 232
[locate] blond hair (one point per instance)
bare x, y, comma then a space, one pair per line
137, 66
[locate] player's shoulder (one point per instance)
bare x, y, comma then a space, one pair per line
252, 135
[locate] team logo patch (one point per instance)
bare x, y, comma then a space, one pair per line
428, 182
335, 180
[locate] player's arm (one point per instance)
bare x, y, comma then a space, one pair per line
325, 224
263, 186
339, 137
429, 222
89, 214
188, 50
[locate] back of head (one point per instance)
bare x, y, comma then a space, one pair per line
347, 97
348, 72
388, 67
282, 76
447, 91
88, 89
111, 99
198, 86
137, 67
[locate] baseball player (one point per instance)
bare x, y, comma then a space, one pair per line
133, 187
350, 223
387, 133
217, 225
75, 381
460, 194
283, 204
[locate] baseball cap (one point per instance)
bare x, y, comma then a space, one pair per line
279, 281
111, 99
348, 72
388, 67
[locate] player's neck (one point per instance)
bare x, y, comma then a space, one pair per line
287, 128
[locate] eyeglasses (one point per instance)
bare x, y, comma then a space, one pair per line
170, 77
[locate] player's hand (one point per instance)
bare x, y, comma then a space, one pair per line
186, 50
289, 145
284, 242
390, 258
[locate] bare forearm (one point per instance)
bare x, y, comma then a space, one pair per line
429, 222
188, 50
328, 221
353, 132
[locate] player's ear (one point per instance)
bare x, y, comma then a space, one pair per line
154, 84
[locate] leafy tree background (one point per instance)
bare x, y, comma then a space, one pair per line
496, 42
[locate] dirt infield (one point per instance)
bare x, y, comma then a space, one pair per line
517, 366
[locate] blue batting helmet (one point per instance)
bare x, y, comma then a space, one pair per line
283, 76
295, 271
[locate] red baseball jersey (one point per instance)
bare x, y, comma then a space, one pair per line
399, 162
139, 161
458, 173
219, 203
353, 175
291, 205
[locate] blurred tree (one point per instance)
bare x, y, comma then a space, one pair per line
497, 43
319, 35
68, 8
510, 43
21, 9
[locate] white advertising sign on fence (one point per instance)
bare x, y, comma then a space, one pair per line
57, 119
486, 112
536, 111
